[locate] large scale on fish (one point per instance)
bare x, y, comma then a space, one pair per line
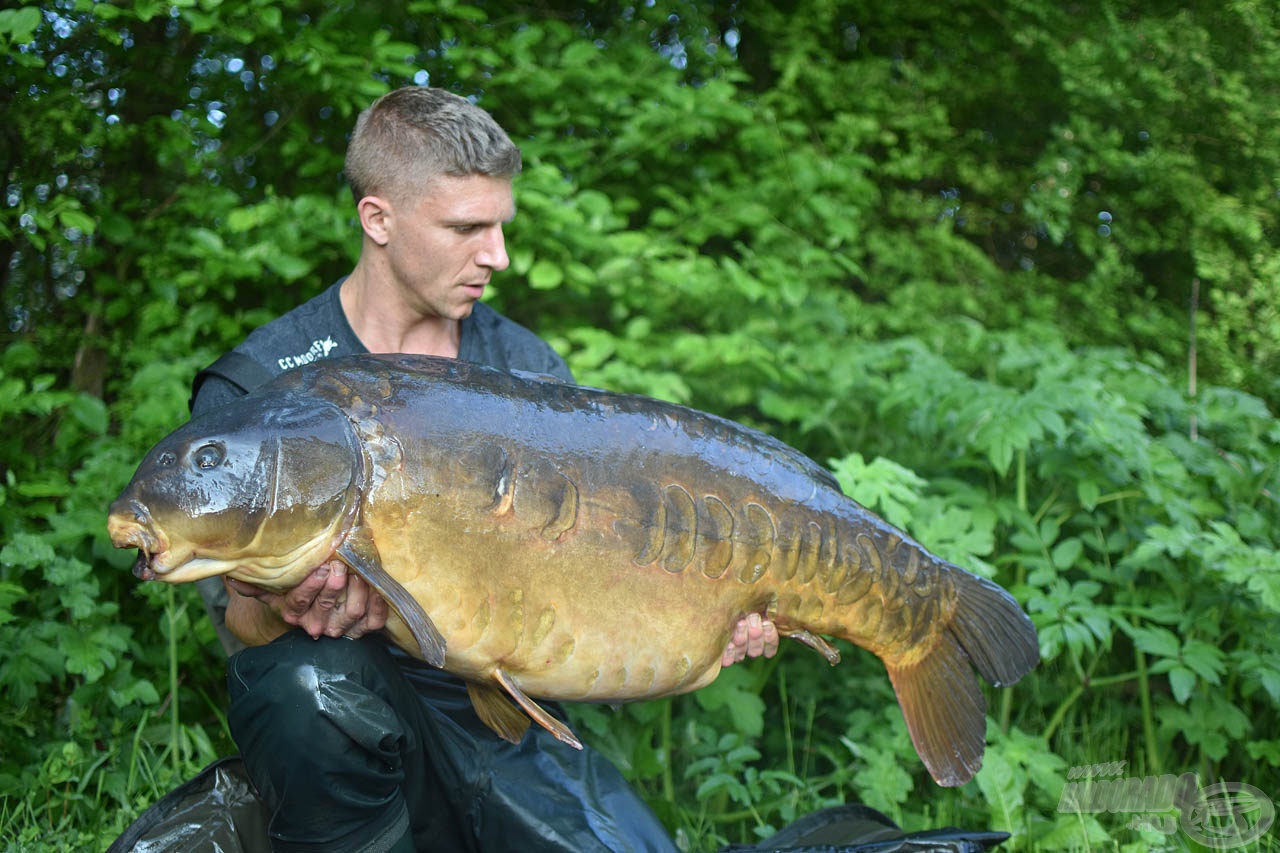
545, 540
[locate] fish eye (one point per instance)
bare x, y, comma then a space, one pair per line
208, 456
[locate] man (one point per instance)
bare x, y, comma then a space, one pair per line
355, 745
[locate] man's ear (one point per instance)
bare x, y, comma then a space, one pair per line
375, 218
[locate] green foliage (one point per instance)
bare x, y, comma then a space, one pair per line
84, 684
962, 253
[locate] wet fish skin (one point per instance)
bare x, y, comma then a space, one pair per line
548, 540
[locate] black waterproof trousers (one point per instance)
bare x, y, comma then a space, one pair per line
355, 746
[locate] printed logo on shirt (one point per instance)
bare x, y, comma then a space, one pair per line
319, 349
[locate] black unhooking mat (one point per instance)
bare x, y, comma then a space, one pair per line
216, 812
219, 812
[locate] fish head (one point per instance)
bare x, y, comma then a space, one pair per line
262, 488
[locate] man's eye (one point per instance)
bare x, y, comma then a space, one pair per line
209, 456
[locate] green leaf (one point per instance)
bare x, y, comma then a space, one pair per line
545, 275
1156, 641
882, 779
1088, 492
1182, 681
1206, 660
10, 594
90, 412
718, 782
288, 267
1002, 789
1066, 553
26, 551
207, 240
732, 693
20, 24
742, 755
881, 485
74, 218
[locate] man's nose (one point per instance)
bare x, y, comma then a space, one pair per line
494, 252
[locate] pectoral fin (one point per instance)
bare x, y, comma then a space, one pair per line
503, 717
362, 555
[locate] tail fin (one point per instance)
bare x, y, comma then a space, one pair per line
993, 631
941, 700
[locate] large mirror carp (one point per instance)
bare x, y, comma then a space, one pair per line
545, 540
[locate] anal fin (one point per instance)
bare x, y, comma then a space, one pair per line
496, 711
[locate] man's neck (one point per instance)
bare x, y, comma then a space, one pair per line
384, 325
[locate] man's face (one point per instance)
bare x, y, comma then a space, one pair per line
445, 243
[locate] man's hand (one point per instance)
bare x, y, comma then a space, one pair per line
753, 636
329, 602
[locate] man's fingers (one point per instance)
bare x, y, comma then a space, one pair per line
349, 609
736, 650
371, 608
379, 610
299, 607
328, 602
359, 597
299, 599
335, 585
753, 636
770, 639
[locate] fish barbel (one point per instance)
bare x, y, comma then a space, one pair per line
546, 540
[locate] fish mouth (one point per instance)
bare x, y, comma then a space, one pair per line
131, 526
142, 569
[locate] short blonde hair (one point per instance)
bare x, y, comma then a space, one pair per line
411, 135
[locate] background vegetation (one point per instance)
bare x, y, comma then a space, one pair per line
1010, 269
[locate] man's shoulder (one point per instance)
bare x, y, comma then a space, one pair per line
313, 330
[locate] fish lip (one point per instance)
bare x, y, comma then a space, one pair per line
131, 526
142, 569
